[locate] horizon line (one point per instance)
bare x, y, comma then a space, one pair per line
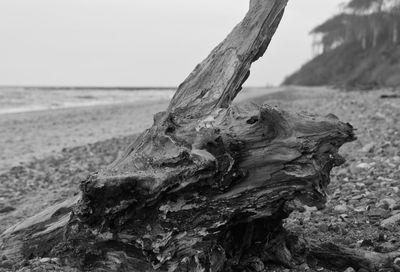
77, 87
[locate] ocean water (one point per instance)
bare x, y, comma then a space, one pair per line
20, 99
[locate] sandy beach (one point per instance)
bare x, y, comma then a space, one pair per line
26, 135
47, 154
35, 134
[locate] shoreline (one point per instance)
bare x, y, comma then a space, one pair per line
28, 188
34, 135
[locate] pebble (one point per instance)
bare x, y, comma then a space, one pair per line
391, 221
44, 260
363, 166
6, 264
340, 208
386, 247
368, 148
323, 227
350, 269
387, 203
366, 243
382, 237
7, 209
357, 197
256, 265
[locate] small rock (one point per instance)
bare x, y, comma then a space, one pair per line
7, 209
366, 243
387, 203
360, 209
343, 217
363, 165
357, 197
324, 227
382, 237
340, 208
391, 221
397, 261
256, 264
379, 116
386, 247
369, 182
6, 264
335, 228
350, 269
368, 148
304, 267
375, 215
342, 172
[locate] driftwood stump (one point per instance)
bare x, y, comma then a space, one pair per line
204, 189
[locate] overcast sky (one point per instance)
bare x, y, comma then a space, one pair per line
139, 43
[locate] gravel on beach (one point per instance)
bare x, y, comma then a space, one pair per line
363, 209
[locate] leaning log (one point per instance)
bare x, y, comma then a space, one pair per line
204, 189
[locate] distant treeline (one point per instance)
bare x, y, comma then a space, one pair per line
357, 49
368, 22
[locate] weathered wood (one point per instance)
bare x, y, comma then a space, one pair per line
205, 188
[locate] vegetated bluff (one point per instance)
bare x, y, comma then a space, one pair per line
358, 48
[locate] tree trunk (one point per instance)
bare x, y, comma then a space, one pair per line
204, 189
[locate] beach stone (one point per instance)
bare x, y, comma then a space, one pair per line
256, 265
375, 215
44, 260
369, 182
6, 264
368, 148
396, 207
382, 237
386, 247
387, 203
304, 267
391, 221
361, 167
340, 208
366, 243
7, 209
323, 227
357, 197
